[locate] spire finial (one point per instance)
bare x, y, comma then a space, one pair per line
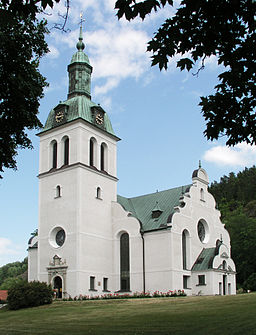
80, 45
200, 165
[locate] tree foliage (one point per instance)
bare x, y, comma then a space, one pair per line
12, 271
22, 44
250, 283
200, 29
236, 198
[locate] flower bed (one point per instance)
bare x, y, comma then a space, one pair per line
136, 295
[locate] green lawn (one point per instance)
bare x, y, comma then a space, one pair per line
187, 315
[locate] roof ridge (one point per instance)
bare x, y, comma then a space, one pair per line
144, 195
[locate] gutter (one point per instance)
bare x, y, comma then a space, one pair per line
160, 228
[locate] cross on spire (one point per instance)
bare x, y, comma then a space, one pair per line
81, 19
80, 45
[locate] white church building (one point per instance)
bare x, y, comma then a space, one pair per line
92, 241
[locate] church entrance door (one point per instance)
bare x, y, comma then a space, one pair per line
58, 286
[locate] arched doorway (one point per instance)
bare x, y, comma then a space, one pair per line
57, 285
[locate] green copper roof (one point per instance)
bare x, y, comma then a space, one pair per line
80, 57
78, 107
204, 260
142, 207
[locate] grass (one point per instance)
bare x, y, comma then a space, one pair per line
189, 315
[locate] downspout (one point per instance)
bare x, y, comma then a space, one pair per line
143, 260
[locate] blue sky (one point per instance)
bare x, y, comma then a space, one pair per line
156, 114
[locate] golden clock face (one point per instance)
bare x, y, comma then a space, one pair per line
59, 116
99, 118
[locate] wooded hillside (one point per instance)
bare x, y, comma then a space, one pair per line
11, 273
236, 199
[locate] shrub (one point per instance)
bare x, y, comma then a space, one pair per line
250, 283
30, 294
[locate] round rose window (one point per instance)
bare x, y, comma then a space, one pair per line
201, 231
60, 237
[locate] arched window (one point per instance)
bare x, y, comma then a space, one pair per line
124, 262
54, 154
224, 265
58, 191
66, 151
98, 194
92, 154
103, 157
185, 235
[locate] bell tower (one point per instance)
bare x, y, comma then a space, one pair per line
77, 184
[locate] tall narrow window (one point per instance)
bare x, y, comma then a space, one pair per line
102, 157
105, 284
124, 262
66, 151
58, 194
220, 288
185, 235
202, 194
92, 158
98, 193
54, 155
92, 283
185, 282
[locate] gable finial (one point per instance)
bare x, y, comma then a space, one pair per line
200, 165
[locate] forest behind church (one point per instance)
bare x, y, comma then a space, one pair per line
235, 196
236, 199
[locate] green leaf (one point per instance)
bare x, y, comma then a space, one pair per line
185, 63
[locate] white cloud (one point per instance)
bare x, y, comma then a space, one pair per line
106, 103
118, 53
211, 62
115, 53
117, 48
55, 86
54, 52
109, 84
242, 155
10, 252
7, 247
148, 79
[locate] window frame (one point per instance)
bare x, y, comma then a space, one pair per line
105, 284
92, 284
186, 282
58, 191
54, 146
201, 280
124, 262
66, 151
